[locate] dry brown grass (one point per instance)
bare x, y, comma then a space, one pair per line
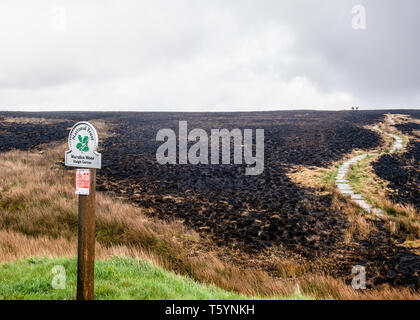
311, 176
318, 177
375, 191
37, 199
38, 217
291, 268
25, 120
330, 288
360, 226
398, 118
15, 245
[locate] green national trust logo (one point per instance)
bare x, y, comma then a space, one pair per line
83, 144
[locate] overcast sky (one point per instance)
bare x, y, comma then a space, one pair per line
212, 55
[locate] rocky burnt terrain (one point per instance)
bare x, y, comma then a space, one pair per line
402, 170
256, 213
250, 213
25, 136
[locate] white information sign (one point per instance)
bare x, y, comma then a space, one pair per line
83, 145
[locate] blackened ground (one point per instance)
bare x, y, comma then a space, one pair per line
409, 127
402, 170
254, 213
235, 210
23, 136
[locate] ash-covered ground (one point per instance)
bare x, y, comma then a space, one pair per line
252, 213
402, 170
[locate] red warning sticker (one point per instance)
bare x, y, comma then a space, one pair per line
82, 181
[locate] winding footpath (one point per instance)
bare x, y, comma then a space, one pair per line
342, 182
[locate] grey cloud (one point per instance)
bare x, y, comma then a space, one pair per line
189, 55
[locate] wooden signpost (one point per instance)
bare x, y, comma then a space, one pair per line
83, 144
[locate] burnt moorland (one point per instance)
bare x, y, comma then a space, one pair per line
402, 170
252, 213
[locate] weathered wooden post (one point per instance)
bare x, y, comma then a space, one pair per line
86, 245
83, 144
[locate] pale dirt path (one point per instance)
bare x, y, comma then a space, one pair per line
343, 184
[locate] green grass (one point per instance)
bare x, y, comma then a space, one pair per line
328, 176
404, 144
359, 173
359, 179
116, 278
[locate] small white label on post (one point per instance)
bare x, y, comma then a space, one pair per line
82, 182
